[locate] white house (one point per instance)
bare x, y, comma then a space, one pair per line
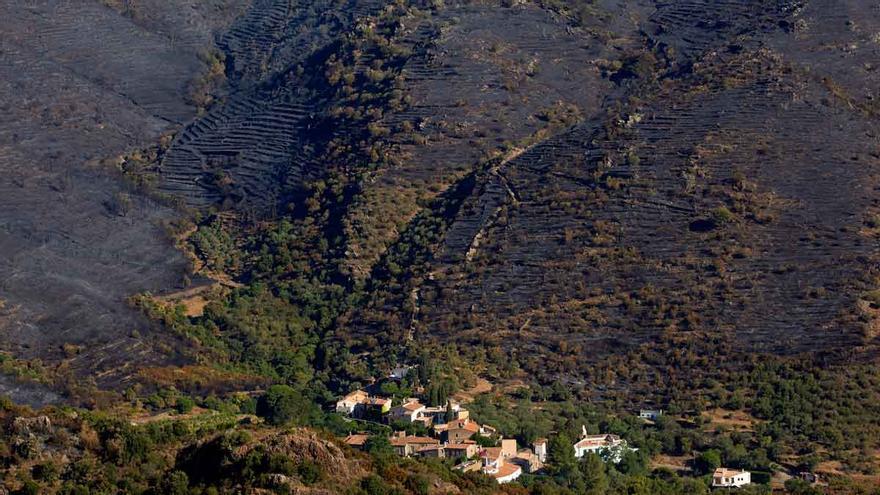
730, 478
410, 411
610, 446
651, 414
438, 413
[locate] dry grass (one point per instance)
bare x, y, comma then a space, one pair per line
737, 420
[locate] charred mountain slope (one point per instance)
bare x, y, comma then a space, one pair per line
81, 82
568, 184
564, 181
728, 197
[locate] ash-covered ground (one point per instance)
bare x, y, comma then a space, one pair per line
80, 83
624, 173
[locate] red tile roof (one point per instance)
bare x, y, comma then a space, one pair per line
401, 441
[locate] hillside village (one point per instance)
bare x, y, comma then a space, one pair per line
451, 433
423, 424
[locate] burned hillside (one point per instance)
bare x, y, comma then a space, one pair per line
559, 182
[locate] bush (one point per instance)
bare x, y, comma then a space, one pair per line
309, 472
184, 405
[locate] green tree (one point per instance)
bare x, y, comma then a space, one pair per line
561, 454
708, 461
633, 463
177, 483
418, 484
797, 486
378, 445
595, 477
282, 404
450, 414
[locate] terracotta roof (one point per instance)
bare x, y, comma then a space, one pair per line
413, 406
505, 470
727, 473
356, 440
491, 452
357, 395
401, 441
376, 401
463, 424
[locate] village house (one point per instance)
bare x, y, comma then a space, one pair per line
410, 411
376, 406
406, 446
464, 450
610, 445
413, 411
497, 462
360, 404
471, 466
457, 431
730, 478
438, 413
528, 461
350, 402
357, 440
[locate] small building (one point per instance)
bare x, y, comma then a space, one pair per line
458, 431
360, 404
375, 407
595, 444
357, 440
650, 414
406, 446
528, 461
410, 411
464, 450
438, 413
508, 448
610, 446
497, 465
540, 447
730, 478
349, 403
470, 466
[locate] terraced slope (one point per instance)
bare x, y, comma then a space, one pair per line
80, 82
256, 149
